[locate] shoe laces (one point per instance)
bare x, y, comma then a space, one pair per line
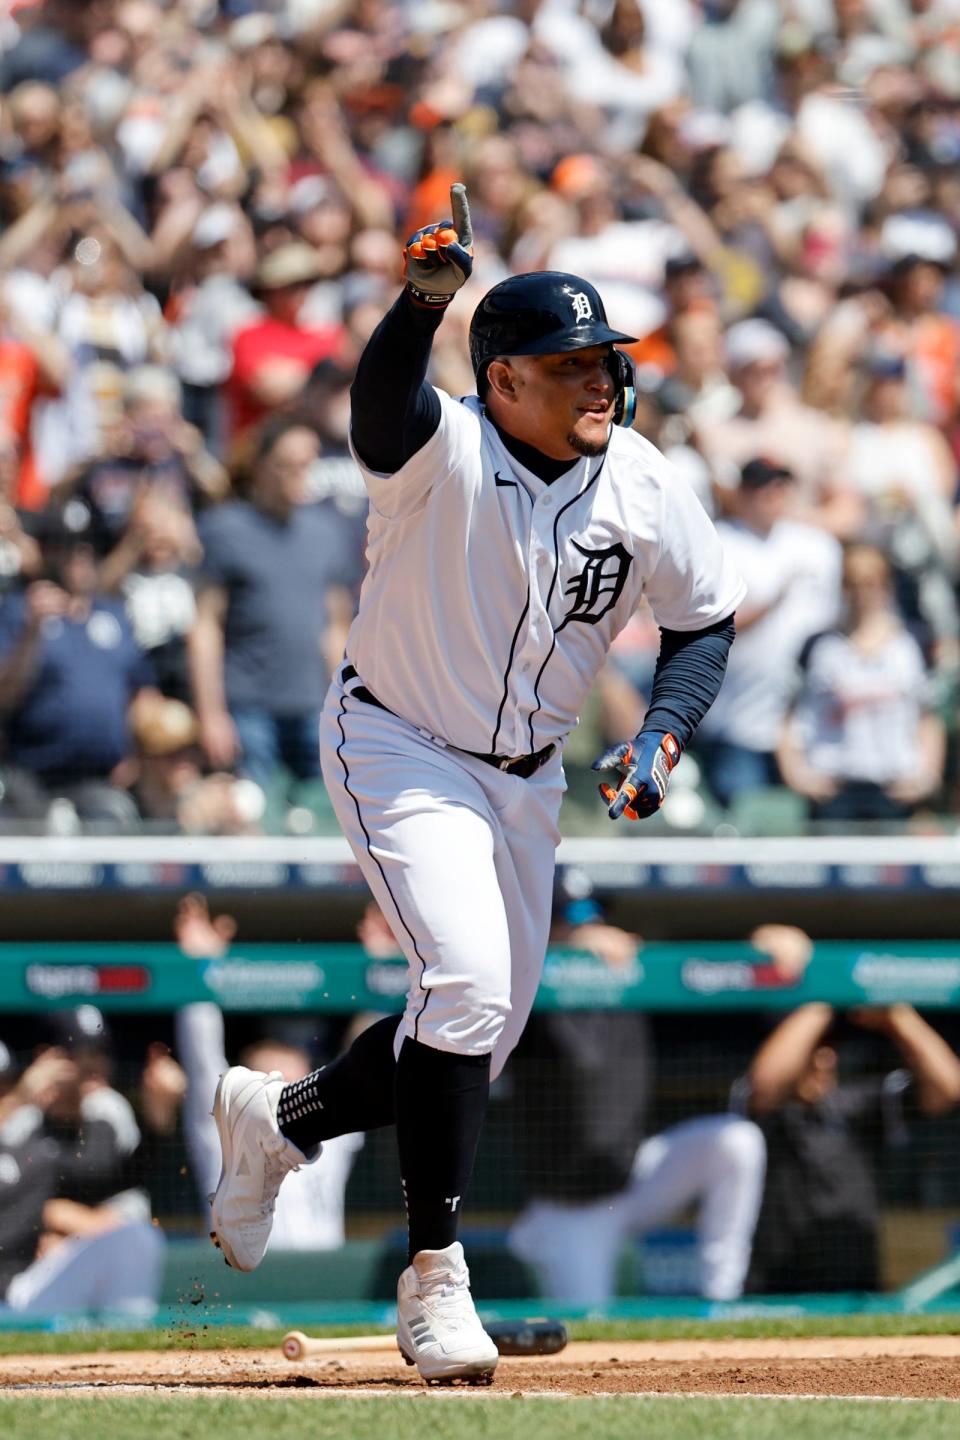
448, 1294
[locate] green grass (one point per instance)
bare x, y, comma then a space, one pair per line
761, 1326
217, 1337
455, 1418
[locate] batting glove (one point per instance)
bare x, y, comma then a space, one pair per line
644, 764
439, 258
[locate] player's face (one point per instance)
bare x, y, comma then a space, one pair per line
561, 404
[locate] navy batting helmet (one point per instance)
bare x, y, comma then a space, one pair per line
547, 312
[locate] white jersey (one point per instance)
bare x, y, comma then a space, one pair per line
492, 597
801, 565
858, 713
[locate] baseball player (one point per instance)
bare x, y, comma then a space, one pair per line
511, 535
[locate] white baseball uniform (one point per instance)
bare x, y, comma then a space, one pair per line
489, 605
716, 1163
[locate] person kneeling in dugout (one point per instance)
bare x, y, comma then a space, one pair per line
826, 1132
590, 1074
75, 1227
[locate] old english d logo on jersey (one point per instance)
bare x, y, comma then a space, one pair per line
468, 639
597, 588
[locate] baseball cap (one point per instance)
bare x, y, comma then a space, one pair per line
573, 897
216, 224
686, 263
752, 342
577, 175
914, 236
308, 193
81, 1028
884, 365
251, 30
763, 471
704, 130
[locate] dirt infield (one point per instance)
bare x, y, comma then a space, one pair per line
926, 1367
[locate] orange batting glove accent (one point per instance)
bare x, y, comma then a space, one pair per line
438, 259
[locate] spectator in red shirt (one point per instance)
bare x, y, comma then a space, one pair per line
29, 369
274, 355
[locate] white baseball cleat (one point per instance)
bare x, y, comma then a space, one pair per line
256, 1157
438, 1329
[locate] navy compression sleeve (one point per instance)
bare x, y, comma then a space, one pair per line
689, 673
394, 411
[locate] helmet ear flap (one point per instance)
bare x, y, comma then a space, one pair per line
625, 380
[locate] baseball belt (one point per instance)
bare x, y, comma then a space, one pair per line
522, 765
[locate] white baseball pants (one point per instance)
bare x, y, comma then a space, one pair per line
716, 1162
460, 858
119, 1270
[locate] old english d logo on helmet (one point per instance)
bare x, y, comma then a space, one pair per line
543, 313
581, 307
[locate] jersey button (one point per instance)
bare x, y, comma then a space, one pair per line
547, 501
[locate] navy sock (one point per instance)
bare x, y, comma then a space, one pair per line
440, 1106
353, 1092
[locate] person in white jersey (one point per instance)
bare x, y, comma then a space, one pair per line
511, 535
310, 1209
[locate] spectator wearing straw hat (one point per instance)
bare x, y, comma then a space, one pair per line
274, 354
168, 783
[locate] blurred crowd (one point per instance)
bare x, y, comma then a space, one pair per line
202, 213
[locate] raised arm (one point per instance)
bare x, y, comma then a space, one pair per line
200, 1039
785, 1055
932, 1061
394, 410
200, 1048
43, 601
205, 662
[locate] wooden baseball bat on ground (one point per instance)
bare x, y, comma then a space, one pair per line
297, 1346
511, 1337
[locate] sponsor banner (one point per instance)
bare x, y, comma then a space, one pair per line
610, 876
343, 978
721, 977
137, 876
57, 981
246, 983
576, 980
922, 979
